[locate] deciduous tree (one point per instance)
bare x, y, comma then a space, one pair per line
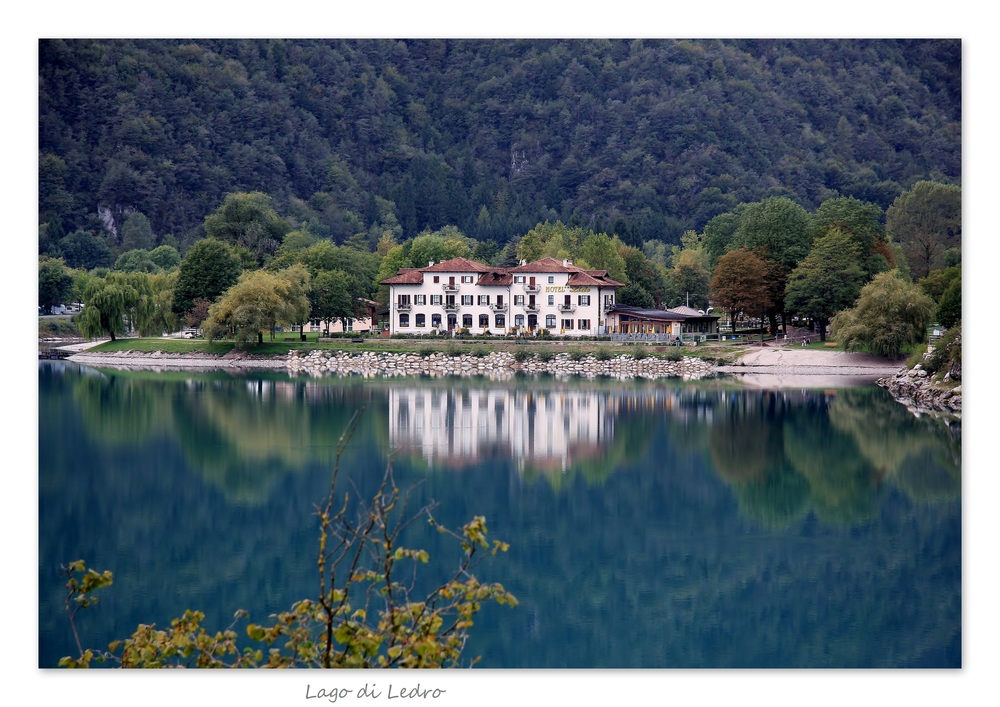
209, 268
927, 222
248, 220
55, 283
889, 316
740, 284
259, 302
827, 280
118, 304
862, 222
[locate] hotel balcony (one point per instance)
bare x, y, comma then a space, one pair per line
531, 307
404, 306
498, 307
451, 306
567, 308
449, 287
528, 287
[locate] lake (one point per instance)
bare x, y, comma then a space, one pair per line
652, 524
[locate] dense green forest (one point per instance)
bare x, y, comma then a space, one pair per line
642, 139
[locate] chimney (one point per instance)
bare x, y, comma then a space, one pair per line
565, 263
430, 264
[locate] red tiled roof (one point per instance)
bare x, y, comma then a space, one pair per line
405, 276
546, 265
587, 277
578, 275
497, 276
457, 265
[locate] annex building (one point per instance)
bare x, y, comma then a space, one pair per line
461, 295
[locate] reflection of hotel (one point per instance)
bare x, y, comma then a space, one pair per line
548, 429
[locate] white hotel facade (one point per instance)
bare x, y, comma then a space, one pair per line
461, 294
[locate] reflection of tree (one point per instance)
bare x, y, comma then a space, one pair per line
929, 475
596, 463
122, 411
243, 438
843, 485
775, 500
901, 445
241, 435
741, 443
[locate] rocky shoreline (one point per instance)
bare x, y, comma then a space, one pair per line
778, 368
920, 394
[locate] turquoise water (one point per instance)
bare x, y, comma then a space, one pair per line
651, 524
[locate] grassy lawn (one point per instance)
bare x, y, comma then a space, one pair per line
279, 347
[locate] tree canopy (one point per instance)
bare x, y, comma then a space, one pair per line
927, 221
118, 304
740, 284
640, 139
827, 280
208, 269
259, 302
890, 315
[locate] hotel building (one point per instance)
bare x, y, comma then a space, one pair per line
463, 295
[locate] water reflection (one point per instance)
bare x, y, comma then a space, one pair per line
652, 524
784, 453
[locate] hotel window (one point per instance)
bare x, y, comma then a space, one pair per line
552, 300
584, 300
484, 299
436, 299
404, 320
484, 321
552, 279
435, 320
518, 300
567, 324
550, 321
467, 279
419, 320
466, 300
583, 324
437, 278
403, 299
518, 279
419, 299
466, 320
518, 320
501, 321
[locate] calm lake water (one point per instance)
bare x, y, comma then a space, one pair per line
651, 524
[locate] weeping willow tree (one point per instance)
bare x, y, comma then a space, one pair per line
890, 315
117, 305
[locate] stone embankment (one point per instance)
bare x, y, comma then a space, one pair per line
927, 389
915, 389
496, 364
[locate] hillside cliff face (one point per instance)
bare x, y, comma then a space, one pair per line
643, 138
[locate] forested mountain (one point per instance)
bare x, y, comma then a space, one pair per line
643, 139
